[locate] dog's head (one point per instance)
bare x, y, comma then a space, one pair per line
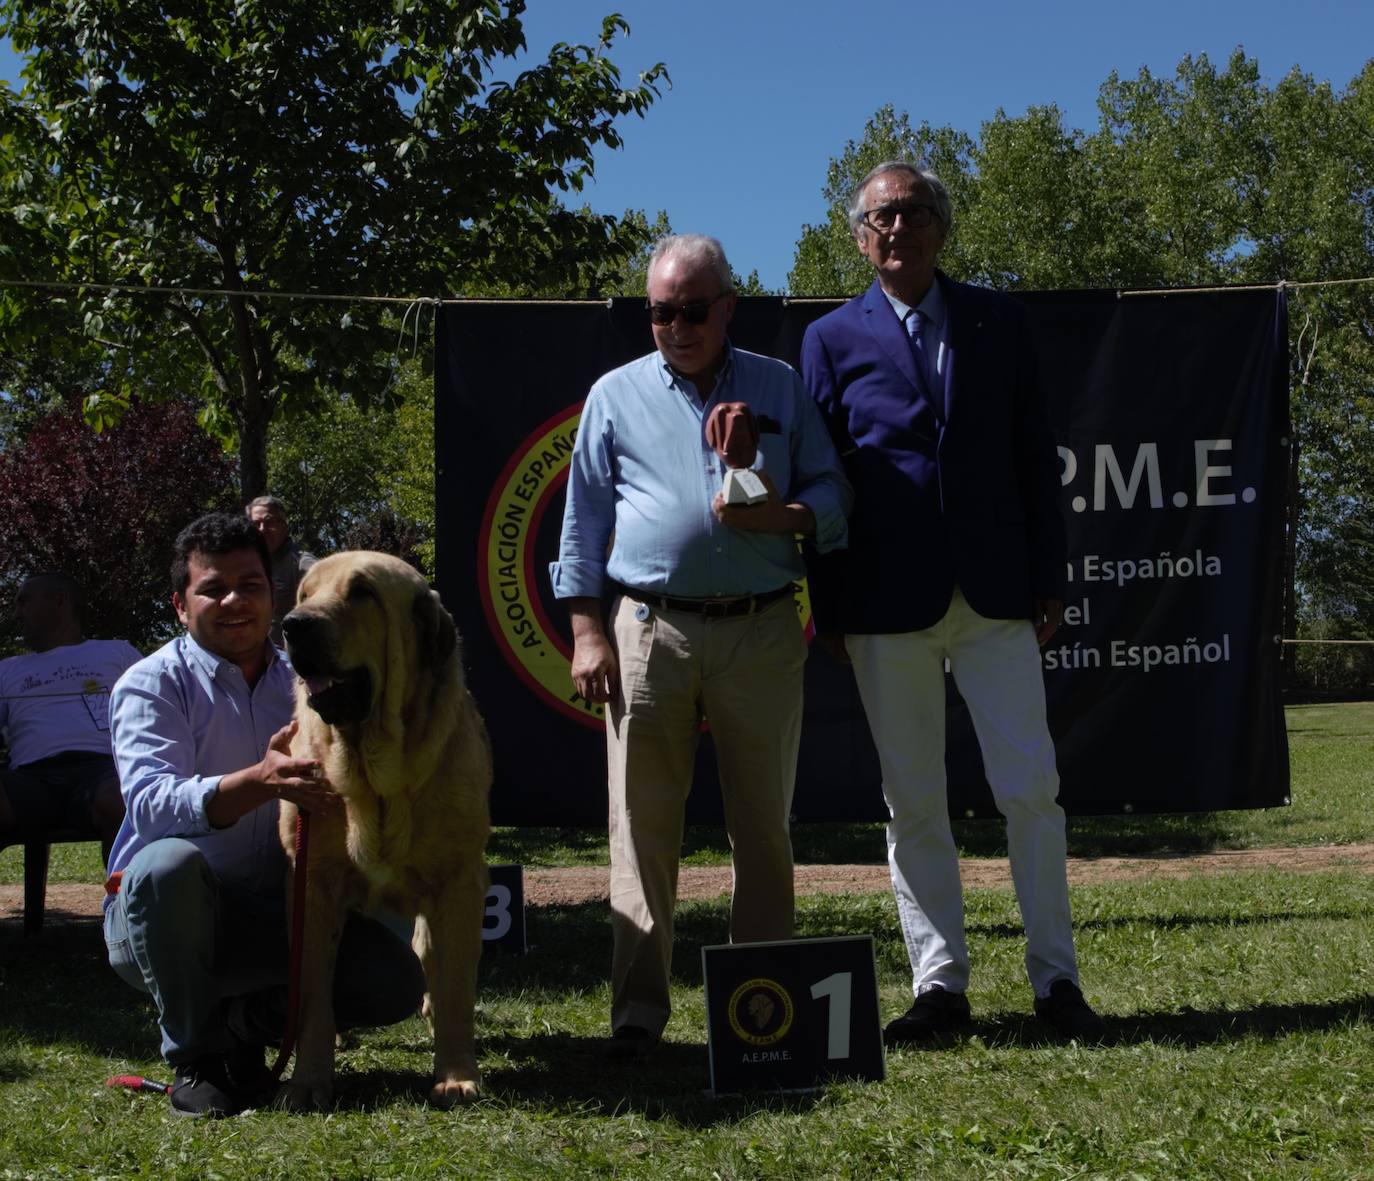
367, 636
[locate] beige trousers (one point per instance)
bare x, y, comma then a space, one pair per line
744, 676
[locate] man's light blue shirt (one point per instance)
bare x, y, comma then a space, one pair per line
934, 329
180, 720
643, 473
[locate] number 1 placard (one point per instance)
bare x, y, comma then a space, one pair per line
790, 1015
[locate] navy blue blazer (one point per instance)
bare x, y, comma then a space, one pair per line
965, 493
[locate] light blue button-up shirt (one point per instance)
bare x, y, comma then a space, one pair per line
180, 720
934, 332
643, 473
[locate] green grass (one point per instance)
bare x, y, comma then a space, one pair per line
1332, 756
1241, 1011
1332, 760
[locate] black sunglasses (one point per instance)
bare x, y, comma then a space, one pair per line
884, 217
696, 312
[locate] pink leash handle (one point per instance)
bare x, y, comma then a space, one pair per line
136, 1082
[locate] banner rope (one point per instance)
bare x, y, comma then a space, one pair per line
1364, 642
411, 301
1281, 285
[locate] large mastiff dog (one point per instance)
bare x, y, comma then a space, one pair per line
381, 703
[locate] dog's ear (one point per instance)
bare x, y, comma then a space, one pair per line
435, 634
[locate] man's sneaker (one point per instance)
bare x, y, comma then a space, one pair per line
934, 1013
1068, 1014
203, 1088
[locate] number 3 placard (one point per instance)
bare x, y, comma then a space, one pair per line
790, 1015
503, 924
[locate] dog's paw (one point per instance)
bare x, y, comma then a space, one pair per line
301, 1097
450, 1092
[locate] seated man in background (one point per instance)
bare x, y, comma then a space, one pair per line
196, 912
55, 715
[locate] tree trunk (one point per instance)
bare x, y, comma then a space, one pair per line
252, 453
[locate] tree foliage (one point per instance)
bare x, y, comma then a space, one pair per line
360, 147
361, 477
1211, 176
105, 508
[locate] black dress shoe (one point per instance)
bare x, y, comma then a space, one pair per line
934, 1013
1068, 1014
631, 1041
203, 1088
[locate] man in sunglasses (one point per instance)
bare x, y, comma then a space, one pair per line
703, 624
957, 554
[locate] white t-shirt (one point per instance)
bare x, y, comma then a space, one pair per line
59, 700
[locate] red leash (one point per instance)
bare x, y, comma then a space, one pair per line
136, 1082
293, 987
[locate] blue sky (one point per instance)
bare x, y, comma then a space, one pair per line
765, 92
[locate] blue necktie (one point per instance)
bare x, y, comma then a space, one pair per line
915, 327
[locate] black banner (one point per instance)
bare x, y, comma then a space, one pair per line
1171, 416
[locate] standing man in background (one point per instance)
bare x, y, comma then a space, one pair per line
956, 553
703, 623
289, 561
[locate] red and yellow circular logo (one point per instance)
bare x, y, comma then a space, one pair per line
517, 541
761, 1012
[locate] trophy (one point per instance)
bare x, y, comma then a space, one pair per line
732, 431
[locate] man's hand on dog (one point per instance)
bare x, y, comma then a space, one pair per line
278, 776
301, 781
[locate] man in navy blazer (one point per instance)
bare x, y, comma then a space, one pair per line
956, 552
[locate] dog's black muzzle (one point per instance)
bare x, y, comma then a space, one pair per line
338, 696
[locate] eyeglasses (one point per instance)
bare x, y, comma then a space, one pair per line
695, 312
884, 217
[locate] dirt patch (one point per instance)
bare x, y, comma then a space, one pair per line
569, 886
545, 887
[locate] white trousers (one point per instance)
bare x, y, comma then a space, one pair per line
996, 664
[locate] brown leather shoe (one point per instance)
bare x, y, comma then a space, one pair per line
1068, 1014
934, 1013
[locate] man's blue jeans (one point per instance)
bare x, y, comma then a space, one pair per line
178, 933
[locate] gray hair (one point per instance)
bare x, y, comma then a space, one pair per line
270, 503
696, 248
944, 207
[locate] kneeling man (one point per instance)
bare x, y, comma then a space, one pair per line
196, 915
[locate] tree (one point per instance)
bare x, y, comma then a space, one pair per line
105, 508
358, 147
827, 261
352, 476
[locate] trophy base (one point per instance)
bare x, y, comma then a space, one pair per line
743, 486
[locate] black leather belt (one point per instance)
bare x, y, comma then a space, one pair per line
715, 608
